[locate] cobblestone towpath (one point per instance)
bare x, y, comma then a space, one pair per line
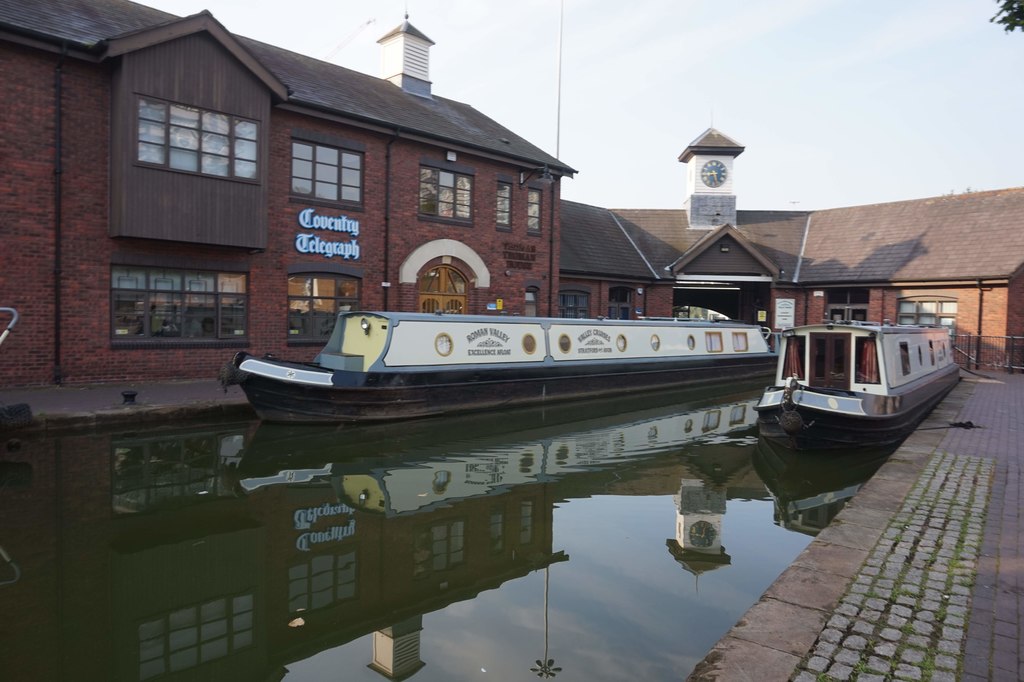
919, 577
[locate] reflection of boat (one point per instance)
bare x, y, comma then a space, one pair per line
423, 471
809, 490
846, 384
386, 366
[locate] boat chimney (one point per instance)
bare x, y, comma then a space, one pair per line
405, 59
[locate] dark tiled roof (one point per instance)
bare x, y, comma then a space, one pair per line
712, 141
83, 23
313, 83
593, 243
964, 236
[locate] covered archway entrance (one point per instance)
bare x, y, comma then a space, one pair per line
442, 288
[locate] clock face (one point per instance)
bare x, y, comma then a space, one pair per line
702, 534
713, 173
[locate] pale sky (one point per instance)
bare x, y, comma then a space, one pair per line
838, 103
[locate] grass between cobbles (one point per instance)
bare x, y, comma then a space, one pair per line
972, 479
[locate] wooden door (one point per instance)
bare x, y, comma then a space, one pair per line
830, 361
442, 289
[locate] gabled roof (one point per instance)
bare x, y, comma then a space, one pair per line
964, 236
712, 141
96, 26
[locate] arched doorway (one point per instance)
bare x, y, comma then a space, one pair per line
442, 289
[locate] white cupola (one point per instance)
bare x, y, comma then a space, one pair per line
405, 59
710, 197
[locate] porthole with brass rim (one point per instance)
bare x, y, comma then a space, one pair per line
564, 343
620, 343
691, 342
529, 344
443, 344
655, 342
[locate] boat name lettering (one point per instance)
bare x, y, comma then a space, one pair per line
308, 218
489, 351
594, 332
594, 349
306, 517
307, 541
487, 331
310, 243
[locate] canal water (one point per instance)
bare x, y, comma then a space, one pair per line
597, 541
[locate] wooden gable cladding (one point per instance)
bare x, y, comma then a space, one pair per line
724, 252
195, 70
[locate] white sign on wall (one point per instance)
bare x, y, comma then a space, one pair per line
785, 312
306, 242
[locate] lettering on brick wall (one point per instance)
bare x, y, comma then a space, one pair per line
306, 242
519, 256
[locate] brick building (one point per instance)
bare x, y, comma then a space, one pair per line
955, 260
175, 192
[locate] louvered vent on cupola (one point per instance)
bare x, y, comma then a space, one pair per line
405, 59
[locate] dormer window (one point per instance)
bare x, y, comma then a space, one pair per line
194, 140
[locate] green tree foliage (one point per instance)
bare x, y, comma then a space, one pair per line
1010, 15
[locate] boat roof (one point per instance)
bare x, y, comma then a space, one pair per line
397, 317
868, 327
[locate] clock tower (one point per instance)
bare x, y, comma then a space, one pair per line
710, 199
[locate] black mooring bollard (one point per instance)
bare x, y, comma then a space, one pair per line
129, 397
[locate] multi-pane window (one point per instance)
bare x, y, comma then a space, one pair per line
439, 547
574, 304
314, 302
321, 581
620, 302
178, 304
190, 139
446, 194
195, 634
928, 311
530, 302
533, 210
503, 215
326, 173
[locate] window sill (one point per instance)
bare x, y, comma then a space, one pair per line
457, 222
174, 343
312, 201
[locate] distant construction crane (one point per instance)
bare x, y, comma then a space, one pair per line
338, 48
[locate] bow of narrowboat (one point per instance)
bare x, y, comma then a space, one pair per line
855, 384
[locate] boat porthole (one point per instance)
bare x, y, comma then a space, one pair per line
620, 343
833, 404
691, 342
655, 342
565, 343
529, 344
443, 344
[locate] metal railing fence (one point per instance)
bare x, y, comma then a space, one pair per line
989, 352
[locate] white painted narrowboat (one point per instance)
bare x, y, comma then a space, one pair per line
852, 384
385, 366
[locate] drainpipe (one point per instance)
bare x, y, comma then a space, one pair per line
551, 251
981, 309
58, 170
387, 214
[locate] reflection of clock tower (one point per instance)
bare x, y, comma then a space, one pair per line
710, 199
697, 545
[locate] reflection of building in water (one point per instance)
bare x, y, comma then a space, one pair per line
216, 572
698, 542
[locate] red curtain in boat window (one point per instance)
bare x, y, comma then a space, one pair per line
794, 364
867, 361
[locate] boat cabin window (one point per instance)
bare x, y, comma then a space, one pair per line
793, 366
739, 342
931, 352
713, 341
867, 361
905, 357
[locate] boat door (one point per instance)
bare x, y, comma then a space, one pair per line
830, 361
